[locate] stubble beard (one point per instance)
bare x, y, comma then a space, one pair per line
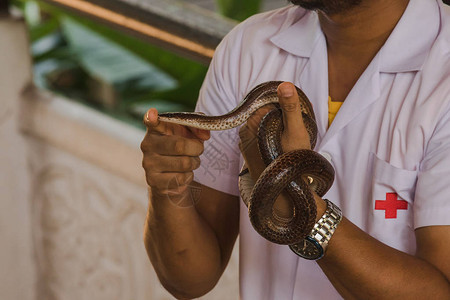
329, 7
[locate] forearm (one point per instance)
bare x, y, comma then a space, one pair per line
361, 267
182, 248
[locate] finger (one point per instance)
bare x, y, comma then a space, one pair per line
295, 135
153, 124
249, 148
171, 164
290, 105
172, 145
255, 119
201, 134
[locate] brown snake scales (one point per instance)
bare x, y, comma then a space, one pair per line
298, 172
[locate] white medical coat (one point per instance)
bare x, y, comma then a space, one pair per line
389, 143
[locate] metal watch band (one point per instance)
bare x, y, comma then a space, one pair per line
325, 227
315, 244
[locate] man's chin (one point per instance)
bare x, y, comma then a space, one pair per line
329, 7
310, 4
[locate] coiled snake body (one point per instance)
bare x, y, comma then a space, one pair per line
298, 172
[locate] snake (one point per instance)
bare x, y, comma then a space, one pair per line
298, 173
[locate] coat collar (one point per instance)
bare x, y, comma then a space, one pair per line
300, 38
409, 43
405, 50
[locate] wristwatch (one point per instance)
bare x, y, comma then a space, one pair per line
313, 247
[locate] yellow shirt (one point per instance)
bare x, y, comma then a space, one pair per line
333, 108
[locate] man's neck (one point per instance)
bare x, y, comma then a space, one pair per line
354, 38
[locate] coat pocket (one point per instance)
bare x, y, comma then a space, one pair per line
391, 215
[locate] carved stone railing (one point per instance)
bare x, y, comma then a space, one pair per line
89, 201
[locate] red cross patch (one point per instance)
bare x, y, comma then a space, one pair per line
390, 205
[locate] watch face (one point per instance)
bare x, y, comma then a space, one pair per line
308, 249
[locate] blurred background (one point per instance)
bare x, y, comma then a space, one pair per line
76, 77
78, 53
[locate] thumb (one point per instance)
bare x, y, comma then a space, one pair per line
295, 135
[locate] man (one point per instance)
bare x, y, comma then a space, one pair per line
389, 144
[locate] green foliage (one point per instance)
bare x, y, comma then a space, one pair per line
85, 60
74, 56
238, 9
109, 62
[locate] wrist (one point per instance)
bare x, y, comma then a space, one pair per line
313, 247
321, 207
172, 201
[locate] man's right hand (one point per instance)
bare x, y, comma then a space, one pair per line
171, 153
189, 241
